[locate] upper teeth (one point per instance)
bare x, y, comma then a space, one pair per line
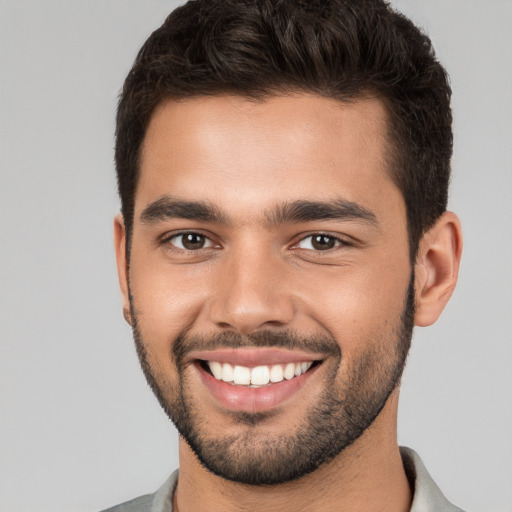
259, 375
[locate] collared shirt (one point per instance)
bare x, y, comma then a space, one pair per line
427, 495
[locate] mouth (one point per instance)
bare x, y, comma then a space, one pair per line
254, 380
257, 376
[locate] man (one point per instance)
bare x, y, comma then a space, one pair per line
283, 168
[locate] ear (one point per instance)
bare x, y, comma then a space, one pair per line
122, 264
437, 268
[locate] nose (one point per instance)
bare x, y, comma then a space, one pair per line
252, 295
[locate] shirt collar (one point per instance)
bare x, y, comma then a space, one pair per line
427, 495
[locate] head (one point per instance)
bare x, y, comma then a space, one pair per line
283, 170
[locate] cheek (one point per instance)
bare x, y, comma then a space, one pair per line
359, 308
166, 301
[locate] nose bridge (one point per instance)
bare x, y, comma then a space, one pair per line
250, 294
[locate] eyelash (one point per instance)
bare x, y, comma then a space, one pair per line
338, 241
167, 240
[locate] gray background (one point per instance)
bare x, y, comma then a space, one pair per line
79, 428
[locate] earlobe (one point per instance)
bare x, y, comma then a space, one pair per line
122, 264
437, 268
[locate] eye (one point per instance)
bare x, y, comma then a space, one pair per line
190, 241
320, 242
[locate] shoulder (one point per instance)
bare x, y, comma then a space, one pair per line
160, 501
140, 504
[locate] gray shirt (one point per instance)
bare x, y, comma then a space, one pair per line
427, 495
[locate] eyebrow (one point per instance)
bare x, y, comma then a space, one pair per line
167, 207
307, 211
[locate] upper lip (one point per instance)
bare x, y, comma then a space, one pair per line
254, 356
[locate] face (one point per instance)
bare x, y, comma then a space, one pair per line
269, 278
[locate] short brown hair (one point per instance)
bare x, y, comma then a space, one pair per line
341, 49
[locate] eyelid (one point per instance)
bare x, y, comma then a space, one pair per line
340, 241
167, 238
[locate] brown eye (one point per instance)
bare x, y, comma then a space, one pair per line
191, 241
322, 242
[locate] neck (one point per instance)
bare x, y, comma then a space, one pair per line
368, 475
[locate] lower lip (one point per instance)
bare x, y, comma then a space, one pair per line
246, 399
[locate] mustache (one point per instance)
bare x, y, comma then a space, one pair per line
290, 340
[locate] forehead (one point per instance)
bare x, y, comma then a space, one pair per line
226, 148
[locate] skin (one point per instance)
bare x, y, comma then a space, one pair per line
245, 158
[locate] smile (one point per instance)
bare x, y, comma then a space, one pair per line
254, 380
257, 376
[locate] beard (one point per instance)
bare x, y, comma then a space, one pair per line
348, 405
